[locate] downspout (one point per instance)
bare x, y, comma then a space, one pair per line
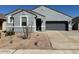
13, 22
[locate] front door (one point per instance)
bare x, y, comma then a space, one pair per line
38, 24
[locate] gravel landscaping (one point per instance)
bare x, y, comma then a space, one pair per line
38, 40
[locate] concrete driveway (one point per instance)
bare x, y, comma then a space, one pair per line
64, 39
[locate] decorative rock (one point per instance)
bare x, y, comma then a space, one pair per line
11, 42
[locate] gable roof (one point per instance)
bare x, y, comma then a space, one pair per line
12, 11
36, 13
29, 11
54, 10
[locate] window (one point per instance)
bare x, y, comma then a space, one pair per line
10, 19
24, 21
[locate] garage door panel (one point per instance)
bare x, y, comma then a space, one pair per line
55, 25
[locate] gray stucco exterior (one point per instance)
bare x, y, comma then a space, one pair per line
17, 27
49, 15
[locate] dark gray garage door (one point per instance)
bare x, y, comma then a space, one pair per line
56, 25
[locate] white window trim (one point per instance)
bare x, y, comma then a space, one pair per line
21, 20
9, 19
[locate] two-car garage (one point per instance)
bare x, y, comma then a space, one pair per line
57, 25
54, 19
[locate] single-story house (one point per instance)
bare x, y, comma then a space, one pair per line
40, 19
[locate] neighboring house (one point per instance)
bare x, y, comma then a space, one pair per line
75, 23
39, 19
55, 20
2, 22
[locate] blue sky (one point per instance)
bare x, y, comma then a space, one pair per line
72, 10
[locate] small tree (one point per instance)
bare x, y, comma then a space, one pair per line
27, 31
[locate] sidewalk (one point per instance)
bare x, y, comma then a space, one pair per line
37, 51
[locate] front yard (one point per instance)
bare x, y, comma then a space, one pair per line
37, 40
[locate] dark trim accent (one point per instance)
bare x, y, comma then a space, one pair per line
53, 9
66, 26
25, 11
29, 11
13, 11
